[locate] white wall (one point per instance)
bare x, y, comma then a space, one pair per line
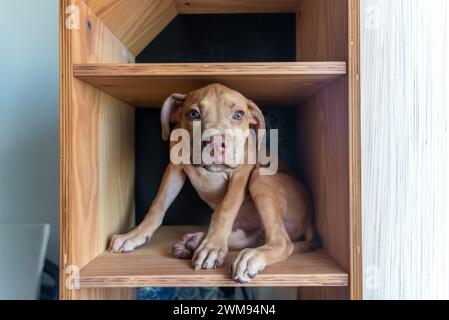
405, 157
29, 114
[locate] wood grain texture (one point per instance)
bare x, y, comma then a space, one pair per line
235, 6
148, 85
324, 136
355, 153
97, 155
318, 293
329, 125
152, 265
323, 30
405, 134
134, 22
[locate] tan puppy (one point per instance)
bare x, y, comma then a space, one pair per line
248, 207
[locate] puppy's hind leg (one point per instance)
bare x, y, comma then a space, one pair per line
312, 241
239, 239
184, 248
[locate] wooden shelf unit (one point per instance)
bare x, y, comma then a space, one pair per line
101, 88
153, 266
148, 85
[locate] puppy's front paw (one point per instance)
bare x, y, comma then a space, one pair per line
128, 242
247, 265
210, 254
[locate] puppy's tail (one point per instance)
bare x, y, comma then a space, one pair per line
312, 241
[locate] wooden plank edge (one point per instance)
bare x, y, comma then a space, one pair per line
330, 280
356, 271
191, 69
65, 97
235, 6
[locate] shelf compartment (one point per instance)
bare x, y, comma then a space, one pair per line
148, 85
153, 266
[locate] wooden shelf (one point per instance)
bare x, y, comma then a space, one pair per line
152, 265
148, 85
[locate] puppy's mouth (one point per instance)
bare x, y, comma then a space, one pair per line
219, 157
216, 168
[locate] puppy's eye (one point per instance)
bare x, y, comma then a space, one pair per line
194, 115
238, 115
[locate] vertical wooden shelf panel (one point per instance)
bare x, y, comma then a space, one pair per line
97, 151
329, 132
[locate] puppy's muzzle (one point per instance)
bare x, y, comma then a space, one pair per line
214, 148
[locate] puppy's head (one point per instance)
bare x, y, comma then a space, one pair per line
217, 110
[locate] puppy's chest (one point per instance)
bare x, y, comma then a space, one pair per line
211, 187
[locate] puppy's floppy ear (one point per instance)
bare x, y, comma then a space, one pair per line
169, 113
257, 119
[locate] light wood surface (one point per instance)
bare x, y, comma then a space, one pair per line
323, 30
236, 6
97, 155
355, 152
134, 22
148, 85
405, 154
329, 127
323, 127
152, 265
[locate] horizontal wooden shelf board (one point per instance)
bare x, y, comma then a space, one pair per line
152, 265
236, 6
148, 85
